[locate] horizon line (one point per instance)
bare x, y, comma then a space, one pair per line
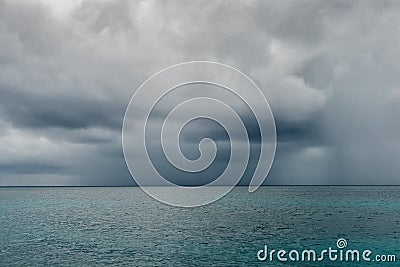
296, 185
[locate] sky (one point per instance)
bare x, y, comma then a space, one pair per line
329, 70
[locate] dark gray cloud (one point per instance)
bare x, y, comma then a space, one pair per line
328, 68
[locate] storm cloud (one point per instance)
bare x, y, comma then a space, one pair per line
329, 70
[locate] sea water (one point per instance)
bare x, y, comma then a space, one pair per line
95, 226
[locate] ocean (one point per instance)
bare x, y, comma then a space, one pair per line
122, 226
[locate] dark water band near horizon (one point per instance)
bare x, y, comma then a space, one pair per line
122, 226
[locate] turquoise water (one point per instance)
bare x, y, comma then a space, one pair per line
125, 227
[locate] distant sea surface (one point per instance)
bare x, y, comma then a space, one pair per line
96, 226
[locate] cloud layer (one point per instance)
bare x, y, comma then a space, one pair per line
328, 68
